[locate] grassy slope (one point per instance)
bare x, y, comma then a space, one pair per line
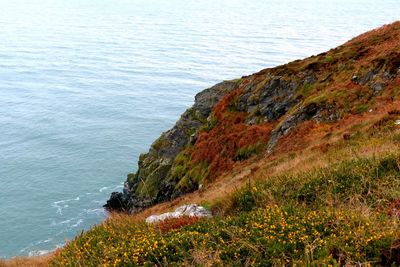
229, 139
40, 261
329, 194
345, 213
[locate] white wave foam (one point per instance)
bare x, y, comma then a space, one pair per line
35, 244
66, 221
59, 209
103, 188
67, 200
44, 241
77, 223
60, 204
98, 201
97, 211
39, 252
119, 186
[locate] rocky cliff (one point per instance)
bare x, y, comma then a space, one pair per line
273, 111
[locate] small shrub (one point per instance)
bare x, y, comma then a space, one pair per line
243, 200
176, 223
248, 151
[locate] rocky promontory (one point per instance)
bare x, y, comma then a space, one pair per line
296, 165
264, 113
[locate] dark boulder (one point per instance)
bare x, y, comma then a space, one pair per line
117, 202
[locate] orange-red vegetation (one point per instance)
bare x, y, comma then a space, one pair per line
176, 223
300, 137
219, 146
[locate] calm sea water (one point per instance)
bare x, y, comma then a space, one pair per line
87, 85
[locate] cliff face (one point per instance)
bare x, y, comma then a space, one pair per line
151, 183
273, 111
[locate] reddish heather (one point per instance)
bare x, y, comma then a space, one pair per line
176, 223
220, 145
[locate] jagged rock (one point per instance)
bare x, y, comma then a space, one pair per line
270, 102
318, 112
282, 98
377, 87
367, 77
151, 183
117, 202
377, 77
192, 210
193, 139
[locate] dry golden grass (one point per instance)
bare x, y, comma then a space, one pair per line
310, 149
261, 168
39, 261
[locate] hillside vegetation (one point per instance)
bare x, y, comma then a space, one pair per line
303, 104
300, 165
347, 213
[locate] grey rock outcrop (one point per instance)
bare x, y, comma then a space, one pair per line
192, 210
150, 184
321, 89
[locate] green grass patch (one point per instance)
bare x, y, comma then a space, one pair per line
310, 218
362, 108
306, 90
249, 151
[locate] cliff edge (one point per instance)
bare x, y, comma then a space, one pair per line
297, 165
277, 110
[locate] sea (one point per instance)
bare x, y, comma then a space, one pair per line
88, 85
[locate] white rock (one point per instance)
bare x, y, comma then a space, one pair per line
192, 210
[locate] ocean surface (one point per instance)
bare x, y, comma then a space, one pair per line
87, 85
